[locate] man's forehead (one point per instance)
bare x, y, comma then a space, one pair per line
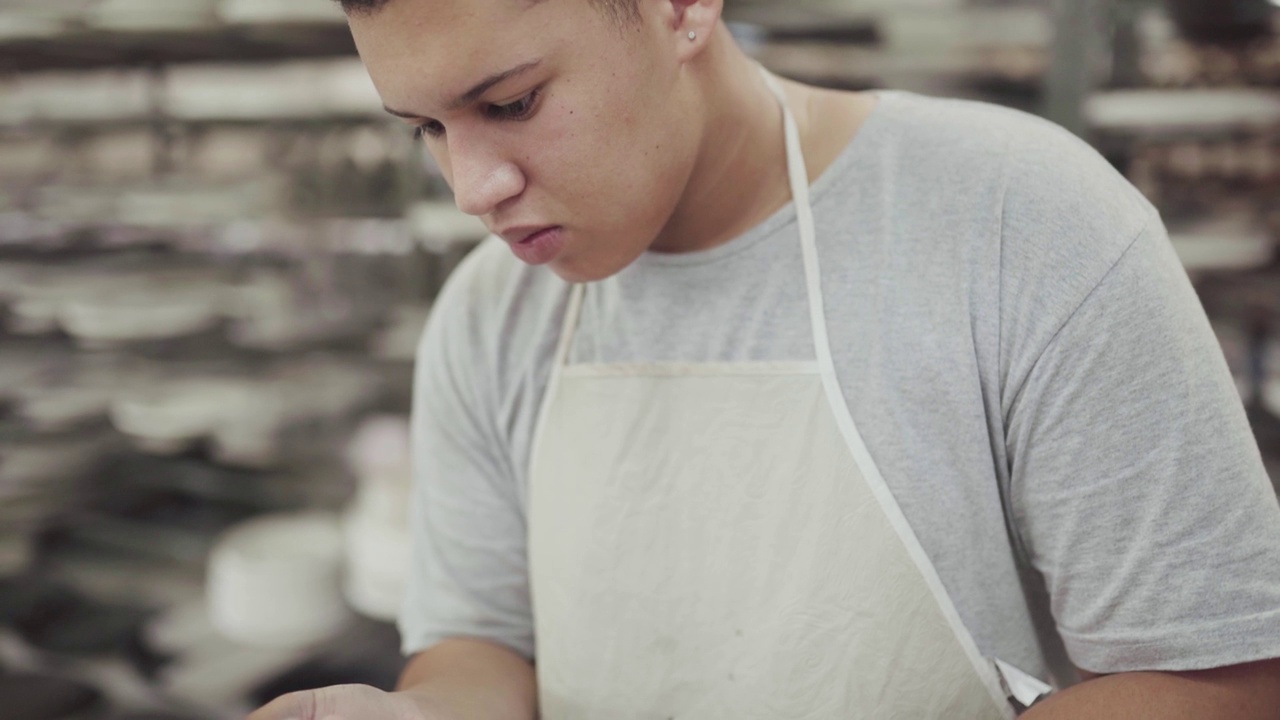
365, 9
430, 54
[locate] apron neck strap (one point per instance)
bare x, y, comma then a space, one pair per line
798, 176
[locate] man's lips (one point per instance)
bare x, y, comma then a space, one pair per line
523, 233
535, 245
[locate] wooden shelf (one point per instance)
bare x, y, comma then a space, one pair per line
80, 49
1184, 112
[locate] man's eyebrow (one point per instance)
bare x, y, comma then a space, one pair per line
474, 93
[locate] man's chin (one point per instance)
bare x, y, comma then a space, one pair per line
576, 269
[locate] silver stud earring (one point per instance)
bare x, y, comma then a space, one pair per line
693, 35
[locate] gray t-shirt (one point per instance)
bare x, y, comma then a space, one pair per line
1020, 348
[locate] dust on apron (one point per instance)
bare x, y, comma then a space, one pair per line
715, 541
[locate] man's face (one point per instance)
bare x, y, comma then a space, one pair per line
587, 135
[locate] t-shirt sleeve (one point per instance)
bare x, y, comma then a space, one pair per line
1137, 489
468, 576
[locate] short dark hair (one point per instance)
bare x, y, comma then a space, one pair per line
623, 12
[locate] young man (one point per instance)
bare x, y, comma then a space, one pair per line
769, 401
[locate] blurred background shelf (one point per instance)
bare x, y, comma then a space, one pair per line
217, 254
83, 34
94, 49
1191, 111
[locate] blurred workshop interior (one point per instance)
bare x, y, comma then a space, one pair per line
217, 254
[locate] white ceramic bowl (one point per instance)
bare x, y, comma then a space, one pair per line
275, 581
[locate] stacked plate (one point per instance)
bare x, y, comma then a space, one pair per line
927, 47
36, 472
168, 417
66, 405
48, 443
1229, 243
170, 205
119, 157
302, 90
280, 12
25, 20
326, 389
19, 25
144, 16
23, 162
103, 96
37, 294
76, 204
243, 417
140, 307
1184, 111
156, 207
138, 315
101, 306
40, 478
274, 316
232, 154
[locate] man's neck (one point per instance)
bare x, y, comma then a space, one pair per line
740, 176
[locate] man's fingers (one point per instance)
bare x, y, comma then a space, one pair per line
341, 702
294, 706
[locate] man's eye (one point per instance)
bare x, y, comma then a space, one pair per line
521, 109
431, 128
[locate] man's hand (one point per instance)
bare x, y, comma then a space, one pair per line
1240, 692
456, 680
344, 702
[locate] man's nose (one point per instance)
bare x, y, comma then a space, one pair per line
482, 179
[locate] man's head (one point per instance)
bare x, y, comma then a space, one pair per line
621, 11
551, 113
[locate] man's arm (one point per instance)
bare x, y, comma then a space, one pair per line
1239, 692
471, 680
1137, 490
454, 680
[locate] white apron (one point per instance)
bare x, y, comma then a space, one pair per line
714, 541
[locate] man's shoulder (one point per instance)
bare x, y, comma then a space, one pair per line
1066, 214
981, 184
1043, 169
493, 306
1026, 207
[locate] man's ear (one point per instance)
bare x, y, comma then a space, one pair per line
692, 23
